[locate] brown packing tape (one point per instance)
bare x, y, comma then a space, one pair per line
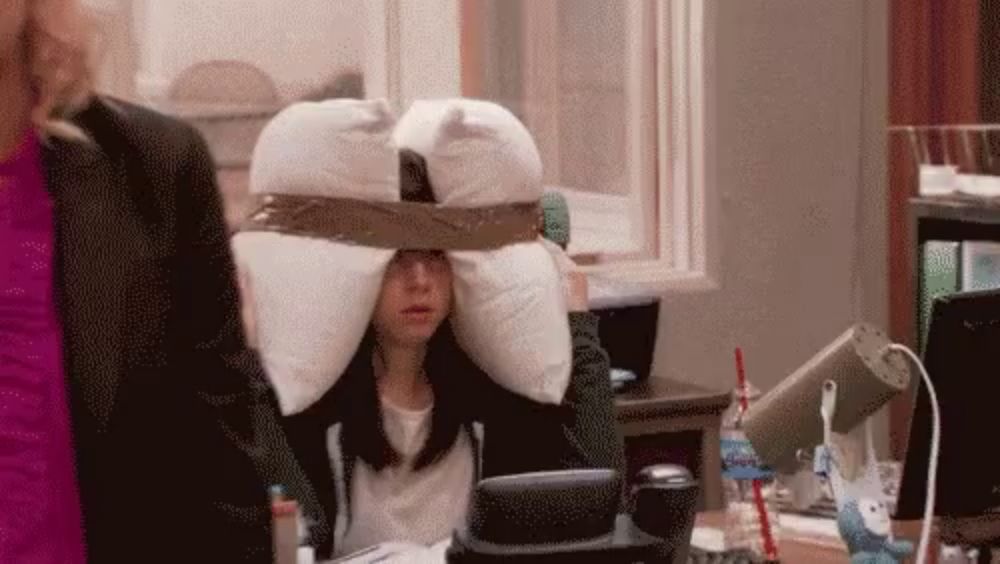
397, 225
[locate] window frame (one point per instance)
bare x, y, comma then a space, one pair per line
401, 47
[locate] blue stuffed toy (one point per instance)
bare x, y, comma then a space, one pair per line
865, 527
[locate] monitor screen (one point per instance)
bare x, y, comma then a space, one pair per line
962, 357
628, 334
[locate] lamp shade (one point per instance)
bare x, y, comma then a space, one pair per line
787, 418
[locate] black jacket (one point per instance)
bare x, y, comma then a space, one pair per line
510, 433
176, 428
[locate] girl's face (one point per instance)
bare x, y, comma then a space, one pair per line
415, 297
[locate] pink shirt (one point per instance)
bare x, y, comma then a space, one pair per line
40, 517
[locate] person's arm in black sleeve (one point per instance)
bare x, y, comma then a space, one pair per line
588, 406
580, 432
226, 375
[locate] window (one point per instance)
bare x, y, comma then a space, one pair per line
582, 78
614, 93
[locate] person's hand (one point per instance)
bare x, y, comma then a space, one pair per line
574, 281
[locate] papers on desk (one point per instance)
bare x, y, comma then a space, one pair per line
397, 553
708, 539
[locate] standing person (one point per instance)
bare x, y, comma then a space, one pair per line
135, 424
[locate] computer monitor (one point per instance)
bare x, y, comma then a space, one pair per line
628, 333
962, 357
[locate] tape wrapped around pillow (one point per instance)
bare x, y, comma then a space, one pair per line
397, 225
314, 300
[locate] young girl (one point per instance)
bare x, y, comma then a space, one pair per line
395, 448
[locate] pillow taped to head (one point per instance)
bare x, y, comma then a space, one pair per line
510, 310
315, 297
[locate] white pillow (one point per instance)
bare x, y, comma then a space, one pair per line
314, 298
477, 153
510, 313
333, 148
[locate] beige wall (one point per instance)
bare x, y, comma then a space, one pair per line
799, 111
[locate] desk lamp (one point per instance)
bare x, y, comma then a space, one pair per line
834, 391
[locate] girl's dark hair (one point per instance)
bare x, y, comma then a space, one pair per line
448, 369
414, 183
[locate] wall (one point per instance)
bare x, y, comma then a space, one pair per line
799, 112
116, 52
429, 56
299, 48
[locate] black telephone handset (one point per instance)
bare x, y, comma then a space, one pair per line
664, 499
572, 516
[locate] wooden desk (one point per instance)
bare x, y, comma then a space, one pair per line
662, 420
792, 549
795, 546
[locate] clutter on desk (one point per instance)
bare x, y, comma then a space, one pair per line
699, 556
836, 391
752, 522
862, 517
958, 555
807, 494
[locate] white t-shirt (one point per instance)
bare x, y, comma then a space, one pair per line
398, 504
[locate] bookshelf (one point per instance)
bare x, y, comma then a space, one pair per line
955, 218
955, 169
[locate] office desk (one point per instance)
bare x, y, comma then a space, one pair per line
799, 546
792, 548
662, 420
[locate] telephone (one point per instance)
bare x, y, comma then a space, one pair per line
573, 516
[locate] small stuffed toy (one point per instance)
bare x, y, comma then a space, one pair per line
864, 525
